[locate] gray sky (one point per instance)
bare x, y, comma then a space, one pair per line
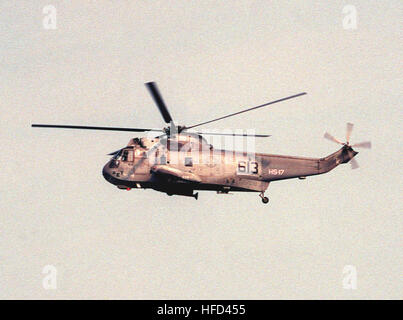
209, 58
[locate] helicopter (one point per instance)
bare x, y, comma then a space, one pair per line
180, 162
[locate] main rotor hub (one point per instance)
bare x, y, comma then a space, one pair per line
177, 129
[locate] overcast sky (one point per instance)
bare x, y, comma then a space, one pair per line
209, 58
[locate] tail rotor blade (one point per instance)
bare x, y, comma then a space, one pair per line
331, 138
354, 164
350, 127
366, 145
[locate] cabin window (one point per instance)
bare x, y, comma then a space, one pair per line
188, 162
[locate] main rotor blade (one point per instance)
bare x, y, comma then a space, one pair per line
331, 138
349, 130
366, 145
92, 128
152, 87
249, 109
234, 134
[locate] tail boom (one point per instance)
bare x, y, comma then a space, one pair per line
285, 167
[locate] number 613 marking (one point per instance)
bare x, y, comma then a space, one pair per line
248, 167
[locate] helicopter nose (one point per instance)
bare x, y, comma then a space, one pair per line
106, 173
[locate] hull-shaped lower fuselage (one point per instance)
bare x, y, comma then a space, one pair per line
242, 173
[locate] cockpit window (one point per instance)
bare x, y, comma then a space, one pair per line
127, 155
124, 155
117, 155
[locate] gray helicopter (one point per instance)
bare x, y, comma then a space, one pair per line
180, 162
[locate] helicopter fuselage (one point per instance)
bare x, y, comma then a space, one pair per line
187, 163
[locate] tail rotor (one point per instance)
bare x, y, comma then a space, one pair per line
365, 144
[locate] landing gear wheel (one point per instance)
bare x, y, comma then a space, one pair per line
264, 199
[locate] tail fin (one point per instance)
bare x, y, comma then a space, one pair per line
344, 155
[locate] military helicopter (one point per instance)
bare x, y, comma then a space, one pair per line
180, 162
